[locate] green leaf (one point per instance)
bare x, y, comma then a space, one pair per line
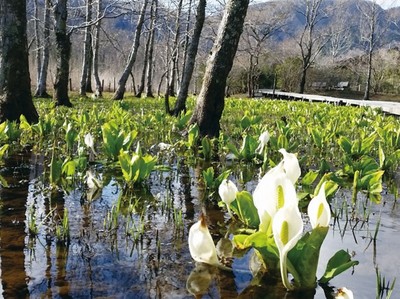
316, 136
232, 148
339, 263
68, 167
244, 208
381, 156
264, 244
245, 122
310, 177
3, 182
55, 170
206, 148
345, 144
304, 257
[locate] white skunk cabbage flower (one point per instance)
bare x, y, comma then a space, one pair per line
201, 244
274, 191
291, 165
89, 142
318, 210
344, 293
287, 228
263, 140
227, 191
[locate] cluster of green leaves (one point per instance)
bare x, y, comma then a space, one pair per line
360, 146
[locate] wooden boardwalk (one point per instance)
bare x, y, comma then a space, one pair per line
388, 107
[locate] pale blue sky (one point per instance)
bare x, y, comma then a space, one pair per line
388, 3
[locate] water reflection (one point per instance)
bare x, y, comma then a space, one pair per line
146, 255
12, 223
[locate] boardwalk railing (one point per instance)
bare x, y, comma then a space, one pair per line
388, 107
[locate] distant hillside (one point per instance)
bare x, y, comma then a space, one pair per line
338, 15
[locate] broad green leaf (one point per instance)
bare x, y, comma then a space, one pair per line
68, 167
345, 144
340, 262
264, 244
245, 122
232, 148
316, 136
310, 177
55, 170
206, 148
244, 208
305, 255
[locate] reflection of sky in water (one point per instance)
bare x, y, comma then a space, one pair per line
90, 267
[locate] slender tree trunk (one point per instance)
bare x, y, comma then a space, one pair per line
210, 103
149, 74
38, 43
180, 104
96, 47
303, 80
41, 90
369, 75
63, 54
119, 93
15, 83
175, 52
187, 38
87, 50
145, 64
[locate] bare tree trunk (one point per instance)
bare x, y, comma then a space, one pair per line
309, 41
370, 14
145, 65
63, 54
175, 51
210, 103
37, 42
41, 90
187, 37
119, 93
96, 47
180, 104
87, 50
15, 83
149, 74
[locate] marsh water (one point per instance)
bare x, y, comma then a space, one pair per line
143, 252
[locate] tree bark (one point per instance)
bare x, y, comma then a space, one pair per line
175, 51
63, 54
145, 65
119, 93
96, 47
87, 51
210, 103
37, 42
15, 83
149, 74
180, 104
41, 90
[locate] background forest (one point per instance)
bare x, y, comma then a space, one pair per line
278, 43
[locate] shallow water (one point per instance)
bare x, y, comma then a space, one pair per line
146, 255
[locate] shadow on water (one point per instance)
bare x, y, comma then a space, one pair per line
144, 254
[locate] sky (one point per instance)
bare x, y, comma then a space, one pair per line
388, 3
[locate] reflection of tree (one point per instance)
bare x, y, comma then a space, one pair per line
12, 223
